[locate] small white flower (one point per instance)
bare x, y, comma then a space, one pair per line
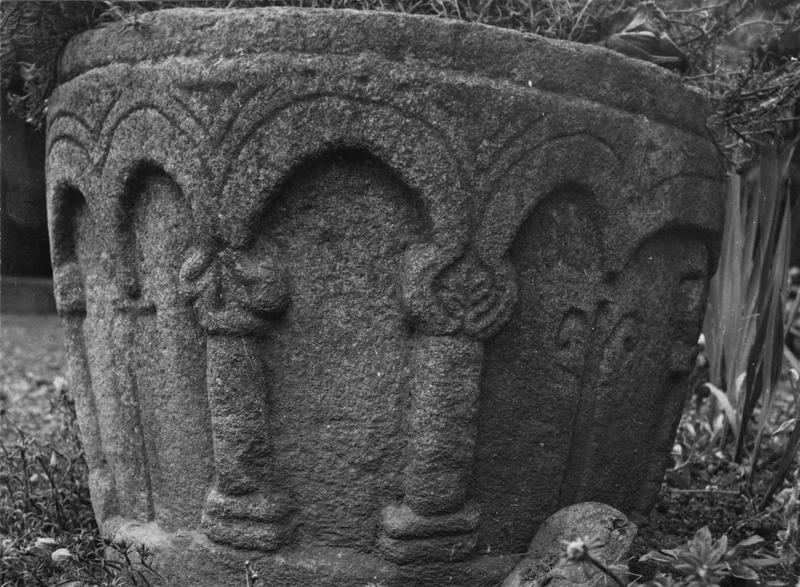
794, 376
60, 383
702, 340
60, 555
53, 460
576, 550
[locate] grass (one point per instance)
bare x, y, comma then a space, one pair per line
707, 488
48, 533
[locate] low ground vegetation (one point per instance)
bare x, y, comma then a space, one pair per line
48, 534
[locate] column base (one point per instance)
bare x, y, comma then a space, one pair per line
408, 537
256, 521
188, 557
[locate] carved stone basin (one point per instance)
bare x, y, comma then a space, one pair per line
364, 297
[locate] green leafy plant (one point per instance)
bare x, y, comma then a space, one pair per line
790, 451
704, 561
745, 326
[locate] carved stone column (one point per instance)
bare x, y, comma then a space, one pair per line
135, 488
454, 305
234, 296
71, 304
69, 217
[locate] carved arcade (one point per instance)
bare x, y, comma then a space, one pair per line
348, 317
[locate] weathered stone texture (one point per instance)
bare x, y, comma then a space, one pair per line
364, 297
607, 536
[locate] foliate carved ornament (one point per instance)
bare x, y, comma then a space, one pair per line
455, 301
233, 292
448, 294
69, 289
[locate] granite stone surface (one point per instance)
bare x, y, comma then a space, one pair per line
365, 297
606, 536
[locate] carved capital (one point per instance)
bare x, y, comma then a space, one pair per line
69, 290
444, 295
257, 521
233, 291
